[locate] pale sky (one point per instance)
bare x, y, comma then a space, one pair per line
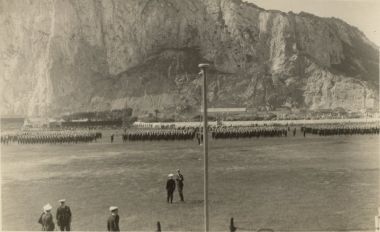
363, 14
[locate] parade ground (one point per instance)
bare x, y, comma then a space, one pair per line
284, 183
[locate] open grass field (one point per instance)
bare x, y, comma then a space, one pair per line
293, 183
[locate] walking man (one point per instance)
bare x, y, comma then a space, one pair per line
63, 216
170, 187
46, 219
180, 180
113, 220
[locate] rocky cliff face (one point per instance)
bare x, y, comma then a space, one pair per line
60, 56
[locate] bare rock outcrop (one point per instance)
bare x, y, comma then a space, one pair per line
60, 56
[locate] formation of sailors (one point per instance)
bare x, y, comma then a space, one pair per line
248, 132
186, 133
341, 129
162, 134
8, 138
51, 137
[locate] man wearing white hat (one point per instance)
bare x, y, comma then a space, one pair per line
170, 187
46, 218
113, 220
63, 216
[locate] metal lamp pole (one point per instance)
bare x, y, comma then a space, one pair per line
203, 68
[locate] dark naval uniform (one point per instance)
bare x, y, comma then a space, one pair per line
64, 218
170, 187
180, 180
113, 223
46, 220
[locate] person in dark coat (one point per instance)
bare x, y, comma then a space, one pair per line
170, 187
46, 219
180, 181
63, 216
113, 220
198, 138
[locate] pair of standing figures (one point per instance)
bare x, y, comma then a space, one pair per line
63, 217
171, 185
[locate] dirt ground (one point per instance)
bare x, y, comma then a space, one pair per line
293, 183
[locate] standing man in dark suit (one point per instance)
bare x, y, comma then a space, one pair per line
63, 216
170, 187
46, 219
113, 220
180, 181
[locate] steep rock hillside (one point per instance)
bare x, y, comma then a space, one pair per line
62, 56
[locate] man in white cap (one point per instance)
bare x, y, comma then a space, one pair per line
113, 220
46, 218
63, 216
170, 187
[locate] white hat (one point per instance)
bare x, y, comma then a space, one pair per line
170, 175
62, 200
112, 208
47, 207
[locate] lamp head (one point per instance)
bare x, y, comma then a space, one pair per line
203, 65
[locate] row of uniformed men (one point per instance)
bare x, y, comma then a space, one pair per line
195, 132
8, 138
248, 132
166, 134
51, 137
325, 130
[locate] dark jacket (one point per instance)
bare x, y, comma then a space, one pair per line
46, 220
170, 185
63, 215
113, 223
180, 181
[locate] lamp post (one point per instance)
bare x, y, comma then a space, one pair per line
203, 68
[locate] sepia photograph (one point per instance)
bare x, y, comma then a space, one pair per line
190, 115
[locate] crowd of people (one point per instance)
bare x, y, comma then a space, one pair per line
64, 215
341, 129
50, 137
